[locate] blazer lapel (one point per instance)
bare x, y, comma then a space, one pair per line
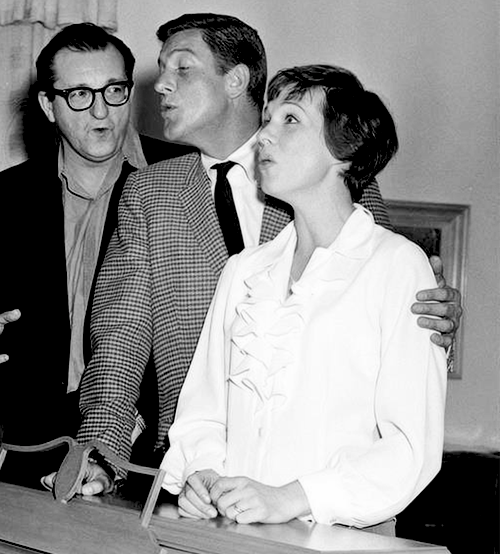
112, 213
199, 208
109, 228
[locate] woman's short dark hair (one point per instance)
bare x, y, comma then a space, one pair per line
80, 37
358, 127
231, 41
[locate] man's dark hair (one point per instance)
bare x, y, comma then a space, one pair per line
231, 41
357, 126
80, 37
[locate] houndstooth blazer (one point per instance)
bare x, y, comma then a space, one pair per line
154, 290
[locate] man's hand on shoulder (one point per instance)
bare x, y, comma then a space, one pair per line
439, 309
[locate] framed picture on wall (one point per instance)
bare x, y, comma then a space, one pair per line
439, 229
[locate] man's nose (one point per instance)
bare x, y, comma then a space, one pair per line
165, 83
99, 108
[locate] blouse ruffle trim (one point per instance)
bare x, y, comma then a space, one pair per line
269, 322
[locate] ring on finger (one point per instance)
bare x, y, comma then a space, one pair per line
237, 509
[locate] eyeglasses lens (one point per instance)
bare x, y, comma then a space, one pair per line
114, 94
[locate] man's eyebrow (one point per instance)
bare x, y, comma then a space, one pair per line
180, 49
110, 81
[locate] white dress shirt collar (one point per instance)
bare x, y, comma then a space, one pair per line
244, 156
248, 199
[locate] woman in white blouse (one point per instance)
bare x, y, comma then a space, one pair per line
312, 392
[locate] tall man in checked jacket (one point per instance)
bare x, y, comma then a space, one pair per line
60, 208
163, 263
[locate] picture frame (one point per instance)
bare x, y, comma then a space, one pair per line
439, 229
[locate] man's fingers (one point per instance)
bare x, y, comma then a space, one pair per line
447, 310
442, 340
97, 486
437, 310
437, 268
96, 480
48, 480
439, 325
8, 317
445, 294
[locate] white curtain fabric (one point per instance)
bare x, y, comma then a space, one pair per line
25, 27
56, 13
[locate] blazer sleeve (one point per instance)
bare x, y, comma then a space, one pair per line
198, 435
120, 331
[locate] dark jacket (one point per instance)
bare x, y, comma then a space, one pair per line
34, 406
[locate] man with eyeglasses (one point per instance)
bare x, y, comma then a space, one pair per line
60, 209
80, 99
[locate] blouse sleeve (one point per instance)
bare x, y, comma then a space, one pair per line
368, 485
198, 435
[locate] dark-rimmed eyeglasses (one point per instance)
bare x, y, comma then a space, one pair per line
83, 98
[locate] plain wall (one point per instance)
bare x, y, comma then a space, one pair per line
436, 66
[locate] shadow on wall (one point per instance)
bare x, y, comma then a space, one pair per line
34, 135
147, 106
13, 145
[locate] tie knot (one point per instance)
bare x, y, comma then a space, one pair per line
223, 168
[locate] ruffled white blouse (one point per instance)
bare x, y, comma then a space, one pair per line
330, 382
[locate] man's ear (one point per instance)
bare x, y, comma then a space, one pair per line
46, 105
237, 80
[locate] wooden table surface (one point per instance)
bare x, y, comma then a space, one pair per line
32, 521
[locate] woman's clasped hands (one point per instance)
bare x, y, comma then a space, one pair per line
205, 495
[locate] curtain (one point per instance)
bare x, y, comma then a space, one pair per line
56, 13
25, 27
